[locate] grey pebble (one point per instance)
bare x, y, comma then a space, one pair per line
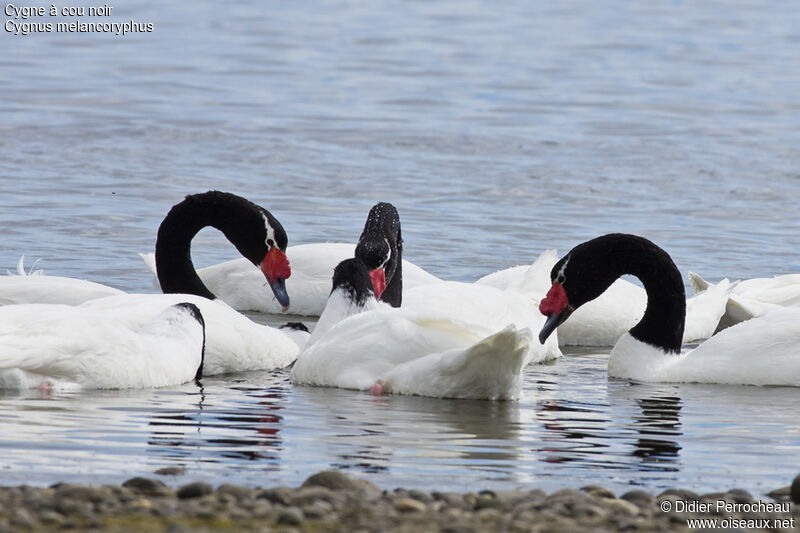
639, 498
597, 491
681, 494
149, 487
317, 509
291, 516
198, 489
281, 495
486, 501
22, 518
236, 492
409, 505
795, 490
330, 479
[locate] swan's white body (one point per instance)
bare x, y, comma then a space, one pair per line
407, 352
761, 351
241, 285
494, 309
603, 321
35, 287
65, 347
234, 343
753, 297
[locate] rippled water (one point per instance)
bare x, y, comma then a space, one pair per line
497, 132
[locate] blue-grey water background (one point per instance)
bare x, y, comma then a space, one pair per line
497, 130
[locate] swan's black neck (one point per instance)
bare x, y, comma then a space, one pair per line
593, 266
194, 311
246, 225
382, 236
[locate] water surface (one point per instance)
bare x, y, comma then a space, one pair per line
497, 132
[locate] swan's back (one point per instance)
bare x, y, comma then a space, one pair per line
70, 346
234, 343
760, 351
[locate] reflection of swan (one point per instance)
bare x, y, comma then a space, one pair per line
247, 428
406, 434
93, 437
652, 411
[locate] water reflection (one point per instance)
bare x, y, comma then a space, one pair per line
197, 424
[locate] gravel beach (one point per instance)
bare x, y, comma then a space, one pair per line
332, 501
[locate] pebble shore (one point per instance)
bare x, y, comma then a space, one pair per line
332, 501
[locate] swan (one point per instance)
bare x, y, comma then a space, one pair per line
364, 344
55, 346
253, 230
753, 297
35, 287
604, 320
238, 284
234, 343
761, 351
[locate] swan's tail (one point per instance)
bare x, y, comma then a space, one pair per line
705, 310
149, 262
698, 283
491, 369
21, 269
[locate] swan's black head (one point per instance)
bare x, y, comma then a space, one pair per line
380, 248
353, 278
591, 267
581, 276
274, 263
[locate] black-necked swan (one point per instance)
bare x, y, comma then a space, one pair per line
605, 319
370, 345
238, 284
253, 230
760, 351
380, 249
234, 342
54, 346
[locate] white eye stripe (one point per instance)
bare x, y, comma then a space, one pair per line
561, 277
388, 253
270, 232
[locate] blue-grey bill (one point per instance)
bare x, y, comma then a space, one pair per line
279, 290
552, 322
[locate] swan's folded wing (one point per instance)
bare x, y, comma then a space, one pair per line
490, 369
354, 353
